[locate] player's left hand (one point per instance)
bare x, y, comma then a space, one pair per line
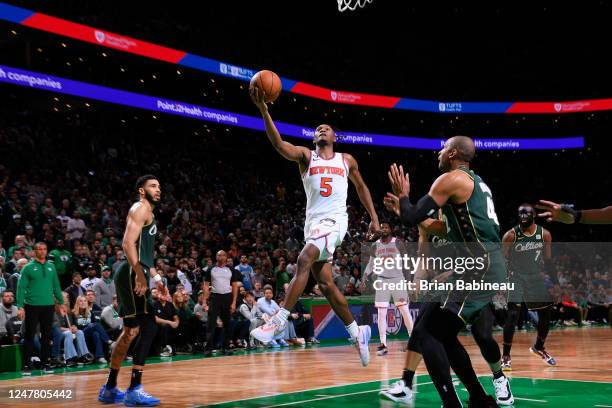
400, 182
392, 203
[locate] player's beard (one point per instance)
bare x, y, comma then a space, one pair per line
149, 197
322, 143
526, 222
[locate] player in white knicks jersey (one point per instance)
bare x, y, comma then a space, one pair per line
389, 281
325, 175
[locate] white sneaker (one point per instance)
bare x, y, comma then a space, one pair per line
361, 344
503, 394
399, 393
271, 328
101, 360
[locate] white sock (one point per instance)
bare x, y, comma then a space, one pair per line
382, 325
353, 330
283, 313
405, 311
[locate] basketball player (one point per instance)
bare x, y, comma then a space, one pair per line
438, 246
325, 175
134, 298
388, 247
566, 214
527, 247
467, 204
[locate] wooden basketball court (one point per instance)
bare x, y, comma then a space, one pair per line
332, 377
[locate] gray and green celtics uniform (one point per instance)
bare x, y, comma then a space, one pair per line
526, 260
130, 304
474, 229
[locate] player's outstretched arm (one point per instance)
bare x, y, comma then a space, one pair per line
363, 192
566, 214
289, 151
135, 221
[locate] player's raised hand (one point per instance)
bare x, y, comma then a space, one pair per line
392, 203
258, 97
400, 183
555, 212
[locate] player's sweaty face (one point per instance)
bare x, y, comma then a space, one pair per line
153, 191
526, 215
385, 229
324, 132
443, 161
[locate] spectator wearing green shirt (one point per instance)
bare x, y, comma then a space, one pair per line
281, 275
62, 259
37, 287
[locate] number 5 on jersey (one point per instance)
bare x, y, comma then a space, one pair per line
326, 187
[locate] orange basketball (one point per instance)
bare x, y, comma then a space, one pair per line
268, 82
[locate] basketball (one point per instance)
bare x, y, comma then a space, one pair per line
268, 82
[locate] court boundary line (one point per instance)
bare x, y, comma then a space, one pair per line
381, 380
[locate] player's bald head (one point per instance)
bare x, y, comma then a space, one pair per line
466, 150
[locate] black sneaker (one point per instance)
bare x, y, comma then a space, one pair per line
488, 402
382, 350
227, 352
208, 353
72, 362
48, 368
27, 370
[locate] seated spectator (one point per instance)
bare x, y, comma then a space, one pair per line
167, 323
67, 334
92, 329
269, 307
599, 305
248, 309
201, 313
96, 310
258, 291
10, 325
110, 319
75, 290
185, 333
91, 279
104, 288
350, 290
303, 323
172, 280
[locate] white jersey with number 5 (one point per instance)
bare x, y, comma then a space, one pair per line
326, 186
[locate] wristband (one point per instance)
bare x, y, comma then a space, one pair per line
157, 278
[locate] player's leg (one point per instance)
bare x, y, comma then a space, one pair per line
382, 329
514, 310
110, 393
401, 302
444, 325
401, 391
265, 333
135, 394
482, 330
382, 297
544, 316
360, 335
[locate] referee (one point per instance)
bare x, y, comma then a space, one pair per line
222, 281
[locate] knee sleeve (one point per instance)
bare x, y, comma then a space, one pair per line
148, 329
